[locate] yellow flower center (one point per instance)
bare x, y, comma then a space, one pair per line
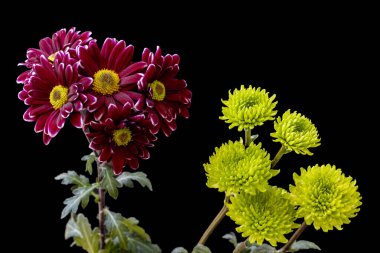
158, 90
106, 82
58, 96
51, 57
122, 136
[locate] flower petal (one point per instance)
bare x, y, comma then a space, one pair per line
118, 161
133, 68
76, 119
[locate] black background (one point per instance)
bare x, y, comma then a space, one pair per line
317, 59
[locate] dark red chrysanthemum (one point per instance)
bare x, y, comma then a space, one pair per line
122, 138
55, 92
165, 96
114, 75
48, 47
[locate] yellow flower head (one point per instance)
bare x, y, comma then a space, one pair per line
296, 132
234, 168
247, 108
325, 196
267, 215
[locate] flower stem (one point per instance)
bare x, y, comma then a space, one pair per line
294, 237
247, 136
240, 247
278, 156
101, 206
218, 218
101, 192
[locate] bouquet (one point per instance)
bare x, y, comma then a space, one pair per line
123, 102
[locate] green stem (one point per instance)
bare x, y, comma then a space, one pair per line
247, 138
293, 238
278, 156
101, 206
218, 218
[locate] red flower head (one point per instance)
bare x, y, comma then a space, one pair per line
49, 47
115, 76
55, 92
166, 96
122, 138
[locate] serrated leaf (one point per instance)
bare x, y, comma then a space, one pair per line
231, 237
71, 177
89, 239
72, 229
89, 161
127, 178
201, 249
179, 250
136, 245
81, 195
115, 226
133, 228
302, 244
109, 183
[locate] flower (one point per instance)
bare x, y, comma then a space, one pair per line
166, 96
49, 47
296, 133
122, 138
325, 196
234, 168
115, 76
247, 108
55, 92
267, 215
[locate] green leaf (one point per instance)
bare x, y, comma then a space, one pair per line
133, 228
201, 249
231, 237
264, 248
127, 178
254, 137
81, 195
136, 245
127, 235
115, 226
109, 183
179, 250
72, 229
89, 161
302, 244
89, 239
71, 177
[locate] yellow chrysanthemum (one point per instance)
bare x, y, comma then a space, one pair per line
247, 108
234, 168
266, 216
296, 132
325, 196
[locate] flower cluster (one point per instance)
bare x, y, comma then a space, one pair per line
234, 168
296, 132
120, 103
248, 107
325, 196
266, 215
322, 195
